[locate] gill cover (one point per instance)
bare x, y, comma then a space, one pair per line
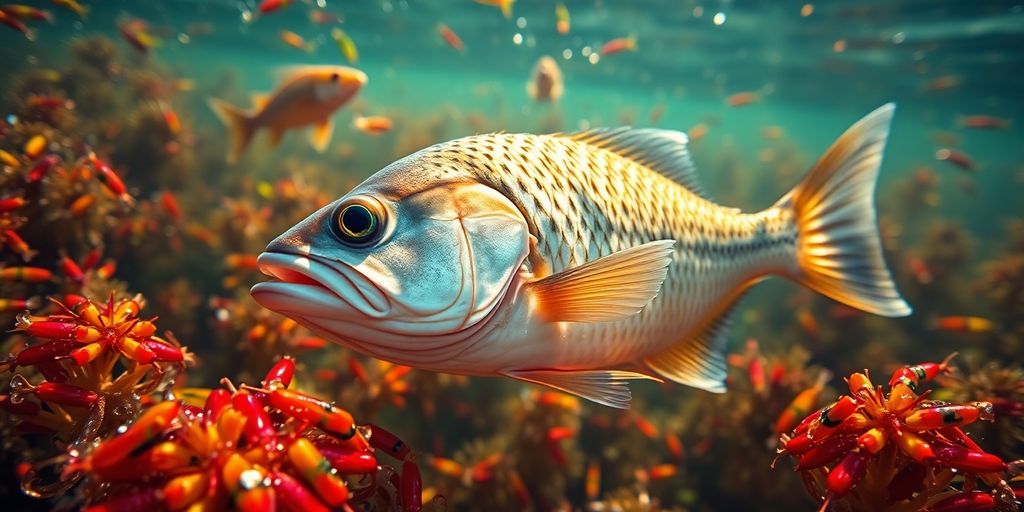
443, 262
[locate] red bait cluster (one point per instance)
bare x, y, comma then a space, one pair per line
253, 449
868, 448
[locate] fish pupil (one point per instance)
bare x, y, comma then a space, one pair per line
357, 221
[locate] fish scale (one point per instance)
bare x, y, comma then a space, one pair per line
620, 204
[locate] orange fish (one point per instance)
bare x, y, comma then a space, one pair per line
957, 158
322, 17
268, 6
697, 132
801, 405
16, 24
975, 324
646, 427
675, 446
942, 83
742, 98
662, 471
18, 245
562, 19
593, 480
504, 5
618, 45
170, 205
307, 96
983, 122
372, 125
137, 33
25, 12
919, 268
295, 41
807, 322
451, 37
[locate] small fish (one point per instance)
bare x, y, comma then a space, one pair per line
16, 24
322, 17
801, 405
983, 122
236, 261
73, 6
645, 427
618, 45
662, 471
742, 98
491, 257
295, 41
957, 158
35, 146
307, 96
137, 33
8, 204
18, 245
592, 485
50, 102
806, 319
8, 159
674, 446
975, 324
41, 168
169, 202
562, 19
446, 467
25, 12
697, 132
81, 204
346, 45
13, 305
110, 179
942, 83
919, 269
545, 81
372, 125
504, 5
171, 119
269, 6
451, 37
25, 274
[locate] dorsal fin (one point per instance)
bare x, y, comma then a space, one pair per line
663, 151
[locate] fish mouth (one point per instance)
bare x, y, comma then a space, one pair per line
307, 286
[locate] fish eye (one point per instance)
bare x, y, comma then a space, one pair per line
359, 222
335, 77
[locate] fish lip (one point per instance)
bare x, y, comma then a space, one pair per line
306, 277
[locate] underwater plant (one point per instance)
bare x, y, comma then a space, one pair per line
84, 375
249, 449
899, 451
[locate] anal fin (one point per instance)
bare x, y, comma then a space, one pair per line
320, 137
699, 360
606, 387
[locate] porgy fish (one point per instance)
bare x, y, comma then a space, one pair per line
578, 261
307, 96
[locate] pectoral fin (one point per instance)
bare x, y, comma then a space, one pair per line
320, 137
606, 387
611, 288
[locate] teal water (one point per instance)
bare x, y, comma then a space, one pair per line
691, 56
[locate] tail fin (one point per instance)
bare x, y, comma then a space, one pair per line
839, 252
240, 126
